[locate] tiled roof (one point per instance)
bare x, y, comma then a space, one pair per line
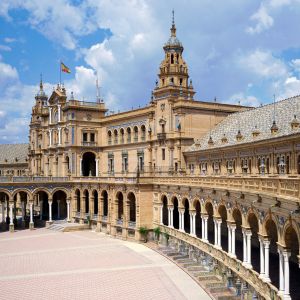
259, 120
13, 153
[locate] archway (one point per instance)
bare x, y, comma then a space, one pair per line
59, 206
292, 245
175, 213
87, 201
95, 195
186, 216
255, 254
120, 206
77, 195
4, 197
210, 222
132, 207
165, 210
105, 203
224, 230
198, 219
237, 216
88, 164
44, 205
272, 234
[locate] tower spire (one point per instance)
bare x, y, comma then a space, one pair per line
173, 28
41, 82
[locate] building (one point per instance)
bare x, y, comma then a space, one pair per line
220, 180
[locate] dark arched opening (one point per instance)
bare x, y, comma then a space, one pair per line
120, 206
237, 216
224, 230
165, 211
132, 207
198, 219
88, 164
186, 216
59, 205
105, 203
255, 253
175, 213
87, 201
210, 222
77, 195
95, 195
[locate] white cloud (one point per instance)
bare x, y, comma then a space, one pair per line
5, 48
263, 64
8, 74
242, 99
9, 40
295, 63
263, 21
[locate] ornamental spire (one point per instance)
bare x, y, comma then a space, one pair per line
173, 28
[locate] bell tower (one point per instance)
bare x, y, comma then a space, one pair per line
173, 71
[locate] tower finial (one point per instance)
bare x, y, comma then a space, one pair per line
173, 22
41, 81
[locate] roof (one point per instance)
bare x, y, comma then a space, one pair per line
10, 152
259, 120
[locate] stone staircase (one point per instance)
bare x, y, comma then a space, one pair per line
211, 282
64, 226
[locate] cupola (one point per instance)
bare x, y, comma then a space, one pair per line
295, 124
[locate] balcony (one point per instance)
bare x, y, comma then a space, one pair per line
161, 136
88, 144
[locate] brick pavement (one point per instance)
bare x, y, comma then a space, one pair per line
41, 264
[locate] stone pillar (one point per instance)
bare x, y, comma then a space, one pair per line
80, 167
266, 256
59, 112
172, 217
59, 136
219, 222
11, 224
202, 227
193, 224
233, 227
31, 224
262, 258
68, 210
50, 115
216, 233
180, 225
249, 234
3, 211
229, 239
205, 217
50, 137
286, 294
281, 273
97, 167
50, 213
161, 214
181, 215
244, 248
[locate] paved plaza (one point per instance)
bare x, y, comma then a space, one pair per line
44, 264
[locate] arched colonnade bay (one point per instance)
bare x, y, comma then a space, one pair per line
264, 237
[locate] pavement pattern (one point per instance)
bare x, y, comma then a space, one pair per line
42, 264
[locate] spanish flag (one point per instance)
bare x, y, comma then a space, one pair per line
64, 68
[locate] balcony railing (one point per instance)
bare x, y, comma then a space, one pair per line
161, 136
89, 144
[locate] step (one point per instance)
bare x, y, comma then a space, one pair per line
218, 289
180, 256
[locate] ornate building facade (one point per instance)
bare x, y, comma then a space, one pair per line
216, 178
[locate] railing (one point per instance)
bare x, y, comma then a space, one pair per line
131, 224
266, 290
120, 222
89, 144
104, 218
32, 179
84, 103
161, 136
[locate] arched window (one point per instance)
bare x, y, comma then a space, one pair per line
115, 136
143, 131
128, 135
122, 136
136, 133
172, 59
109, 137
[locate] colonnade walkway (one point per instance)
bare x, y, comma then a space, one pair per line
41, 264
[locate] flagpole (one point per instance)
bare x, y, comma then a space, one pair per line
60, 73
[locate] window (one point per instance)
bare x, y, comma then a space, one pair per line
180, 81
172, 58
163, 154
92, 137
125, 164
84, 137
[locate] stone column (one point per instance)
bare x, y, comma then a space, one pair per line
80, 167
205, 238
262, 258
181, 215
11, 224
31, 224
202, 227
193, 223
91, 205
68, 210
229, 239
50, 137
219, 222
50, 212
216, 233
3, 211
97, 167
249, 234
286, 294
59, 136
233, 227
172, 217
180, 225
266, 256
50, 115
161, 214
244, 248
281, 273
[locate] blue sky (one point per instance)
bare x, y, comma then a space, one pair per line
236, 51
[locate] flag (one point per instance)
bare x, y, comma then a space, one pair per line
64, 68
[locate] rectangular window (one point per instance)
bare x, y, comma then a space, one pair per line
92, 137
73, 135
125, 164
163, 154
84, 137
